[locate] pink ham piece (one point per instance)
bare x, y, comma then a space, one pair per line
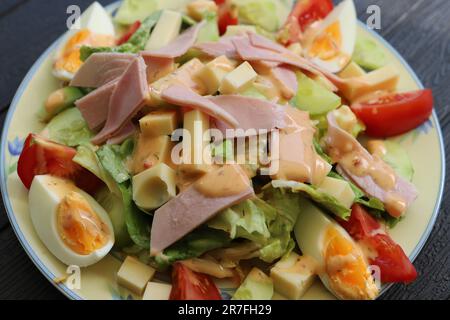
179, 46
127, 99
338, 140
263, 43
249, 52
101, 68
189, 210
287, 81
251, 113
94, 106
158, 67
184, 97
127, 131
223, 47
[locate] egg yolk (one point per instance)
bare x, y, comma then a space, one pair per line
327, 46
70, 58
79, 226
347, 269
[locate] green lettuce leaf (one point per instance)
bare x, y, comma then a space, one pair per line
326, 201
113, 157
261, 13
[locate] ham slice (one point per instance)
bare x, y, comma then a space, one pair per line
340, 142
94, 106
179, 46
286, 80
127, 131
223, 47
189, 210
251, 113
247, 51
158, 67
128, 97
101, 68
182, 96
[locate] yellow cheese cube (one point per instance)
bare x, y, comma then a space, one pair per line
214, 72
296, 48
134, 275
196, 124
157, 291
197, 9
383, 79
150, 151
154, 187
352, 70
166, 30
239, 29
293, 276
339, 189
239, 79
158, 123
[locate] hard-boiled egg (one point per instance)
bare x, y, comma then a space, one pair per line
330, 43
93, 28
341, 264
70, 223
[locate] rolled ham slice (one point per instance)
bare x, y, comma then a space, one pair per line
182, 96
94, 106
126, 100
126, 132
101, 68
340, 142
179, 46
286, 80
251, 113
190, 209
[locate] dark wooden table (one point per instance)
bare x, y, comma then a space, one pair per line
418, 29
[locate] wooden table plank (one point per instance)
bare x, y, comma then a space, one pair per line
419, 30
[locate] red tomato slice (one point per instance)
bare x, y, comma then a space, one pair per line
227, 15
395, 114
132, 29
391, 259
190, 285
42, 156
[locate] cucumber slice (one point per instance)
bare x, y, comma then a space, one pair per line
368, 54
133, 10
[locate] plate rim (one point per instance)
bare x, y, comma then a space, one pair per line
72, 294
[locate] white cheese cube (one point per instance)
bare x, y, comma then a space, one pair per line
293, 276
197, 124
158, 123
339, 189
214, 72
197, 9
166, 30
353, 70
134, 275
157, 291
239, 29
239, 79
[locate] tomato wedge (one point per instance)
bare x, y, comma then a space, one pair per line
303, 15
390, 258
131, 30
190, 285
227, 15
395, 114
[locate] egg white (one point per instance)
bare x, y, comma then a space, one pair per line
45, 195
97, 20
345, 13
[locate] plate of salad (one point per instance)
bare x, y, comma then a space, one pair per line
228, 149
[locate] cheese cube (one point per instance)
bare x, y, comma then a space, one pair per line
197, 124
197, 9
339, 189
134, 275
166, 30
239, 79
154, 187
353, 70
157, 291
158, 123
214, 72
150, 151
296, 48
239, 29
293, 276
383, 79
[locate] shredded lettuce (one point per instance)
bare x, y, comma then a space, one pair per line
325, 200
112, 158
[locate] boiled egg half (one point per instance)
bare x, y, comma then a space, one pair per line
70, 223
341, 264
331, 42
93, 28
